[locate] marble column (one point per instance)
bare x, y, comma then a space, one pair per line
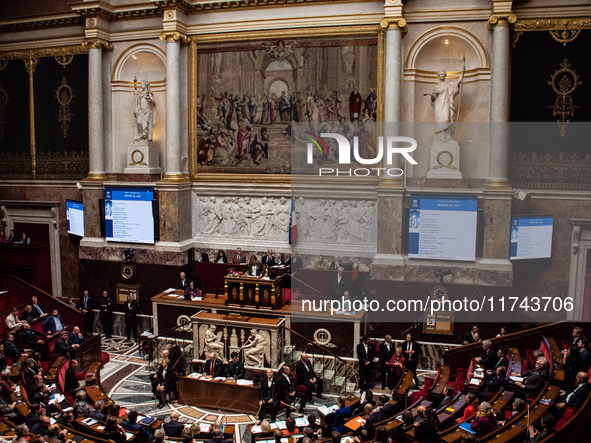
498, 171
393, 90
96, 155
173, 99
388, 262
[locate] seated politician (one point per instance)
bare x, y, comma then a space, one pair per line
63, 345
53, 323
192, 291
76, 336
235, 368
213, 366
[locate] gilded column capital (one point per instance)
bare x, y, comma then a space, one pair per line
175, 36
98, 44
501, 20
393, 23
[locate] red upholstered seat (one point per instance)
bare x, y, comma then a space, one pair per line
299, 388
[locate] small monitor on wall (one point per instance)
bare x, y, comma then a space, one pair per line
75, 217
531, 237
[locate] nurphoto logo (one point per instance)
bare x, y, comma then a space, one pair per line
339, 151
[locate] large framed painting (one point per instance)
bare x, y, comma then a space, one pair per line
246, 94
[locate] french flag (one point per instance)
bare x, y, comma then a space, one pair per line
293, 227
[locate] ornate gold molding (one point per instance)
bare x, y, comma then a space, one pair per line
175, 36
393, 23
45, 52
98, 44
64, 95
501, 20
564, 82
52, 23
274, 34
497, 184
556, 24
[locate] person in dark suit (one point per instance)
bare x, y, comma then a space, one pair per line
268, 396
500, 360
577, 397
30, 338
235, 368
76, 336
339, 283
488, 356
268, 259
130, 310
53, 323
308, 378
29, 372
165, 382
132, 425
286, 391
365, 354
71, 382
494, 383
213, 366
63, 345
175, 355
38, 311
387, 350
98, 412
376, 416
173, 428
106, 310
535, 380
11, 350
335, 263
470, 336
86, 306
412, 350
183, 281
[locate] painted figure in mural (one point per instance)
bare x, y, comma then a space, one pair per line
371, 104
284, 107
443, 102
355, 101
144, 113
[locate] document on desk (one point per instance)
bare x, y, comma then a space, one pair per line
325, 410
169, 290
281, 424
89, 422
243, 382
301, 421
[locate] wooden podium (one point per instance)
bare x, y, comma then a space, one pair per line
242, 290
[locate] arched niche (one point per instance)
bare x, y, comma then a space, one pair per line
444, 48
147, 61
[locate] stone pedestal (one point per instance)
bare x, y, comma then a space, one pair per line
142, 158
444, 159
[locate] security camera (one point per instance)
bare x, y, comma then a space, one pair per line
79, 186
521, 195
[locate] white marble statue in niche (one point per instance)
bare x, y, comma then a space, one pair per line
257, 348
144, 112
443, 103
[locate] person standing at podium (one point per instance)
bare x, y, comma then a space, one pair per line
254, 268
